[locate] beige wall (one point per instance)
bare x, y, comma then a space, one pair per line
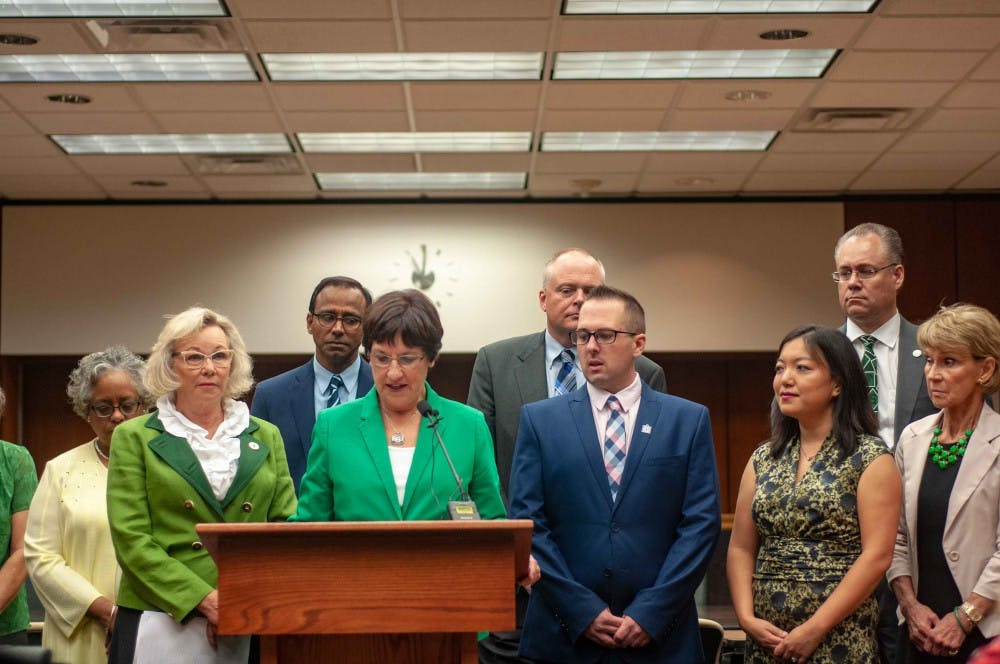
712, 277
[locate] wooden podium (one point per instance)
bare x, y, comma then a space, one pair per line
374, 591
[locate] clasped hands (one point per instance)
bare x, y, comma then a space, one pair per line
613, 631
796, 646
941, 636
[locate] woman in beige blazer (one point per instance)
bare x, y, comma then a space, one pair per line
950, 463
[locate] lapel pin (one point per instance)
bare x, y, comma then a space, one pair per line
647, 429
253, 445
917, 352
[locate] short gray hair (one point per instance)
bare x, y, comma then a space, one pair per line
547, 271
892, 244
91, 367
160, 378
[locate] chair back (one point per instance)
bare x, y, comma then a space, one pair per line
711, 639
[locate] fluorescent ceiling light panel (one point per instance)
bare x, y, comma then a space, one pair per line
717, 6
419, 181
650, 141
403, 66
428, 141
172, 143
158, 8
767, 63
152, 67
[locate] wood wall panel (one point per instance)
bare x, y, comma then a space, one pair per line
977, 226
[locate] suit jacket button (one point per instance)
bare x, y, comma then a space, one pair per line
189, 504
197, 546
614, 527
953, 556
607, 573
247, 506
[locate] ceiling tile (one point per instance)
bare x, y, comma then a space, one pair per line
900, 66
562, 183
814, 141
479, 8
825, 31
347, 121
90, 123
933, 180
38, 166
879, 95
158, 193
601, 121
202, 96
459, 95
52, 186
53, 35
926, 33
967, 141
671, 183
436, 36
989, 70
145, 165
479, 163
712, 94
791, 162
267, 195
11, 124
105, 97
474, 120
610, 94
259, 183
981, 180
963, 120
589, 162
928, 161
311, 9
360, 163
930, 7
974, 95
702, 162
120, 185
816, 181
28, 146
737, 120
219, 123
650, 33
340, 96
321, 36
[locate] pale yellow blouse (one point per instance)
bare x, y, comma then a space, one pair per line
67, 547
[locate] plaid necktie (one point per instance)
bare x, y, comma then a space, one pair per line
333, 391
870, 366
566, 378
614, 445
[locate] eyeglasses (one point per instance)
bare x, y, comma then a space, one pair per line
603, 336
106, 410
350, 322
195, 360
383, 361
864, 272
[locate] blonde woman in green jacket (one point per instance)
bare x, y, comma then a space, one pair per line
374, 459
199, 458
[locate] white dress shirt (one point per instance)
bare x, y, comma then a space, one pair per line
887, 356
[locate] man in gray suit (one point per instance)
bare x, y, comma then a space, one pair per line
516, 371
869, 273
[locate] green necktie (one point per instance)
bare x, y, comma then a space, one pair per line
870, 365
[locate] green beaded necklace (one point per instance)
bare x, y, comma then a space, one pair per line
945, 457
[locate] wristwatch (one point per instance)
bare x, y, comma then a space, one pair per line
971, 612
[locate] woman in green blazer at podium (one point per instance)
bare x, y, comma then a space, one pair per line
376, 458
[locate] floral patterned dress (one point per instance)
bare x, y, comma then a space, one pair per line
809, 538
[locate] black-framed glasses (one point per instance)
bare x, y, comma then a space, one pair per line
383, 361
196, 360
127, 408
603, 336
865, 272
350, 322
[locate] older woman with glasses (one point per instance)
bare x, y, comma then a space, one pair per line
67, 545
200, 458
374, 459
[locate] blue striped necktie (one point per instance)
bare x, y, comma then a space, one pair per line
566, 378
333, 391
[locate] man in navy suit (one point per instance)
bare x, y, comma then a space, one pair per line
621, 483
336, 374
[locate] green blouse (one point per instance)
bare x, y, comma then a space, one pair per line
18, 480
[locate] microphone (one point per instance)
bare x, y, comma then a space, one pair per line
458, 510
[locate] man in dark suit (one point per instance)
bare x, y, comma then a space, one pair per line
336, 373
512, 372
869, 273
621, 483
